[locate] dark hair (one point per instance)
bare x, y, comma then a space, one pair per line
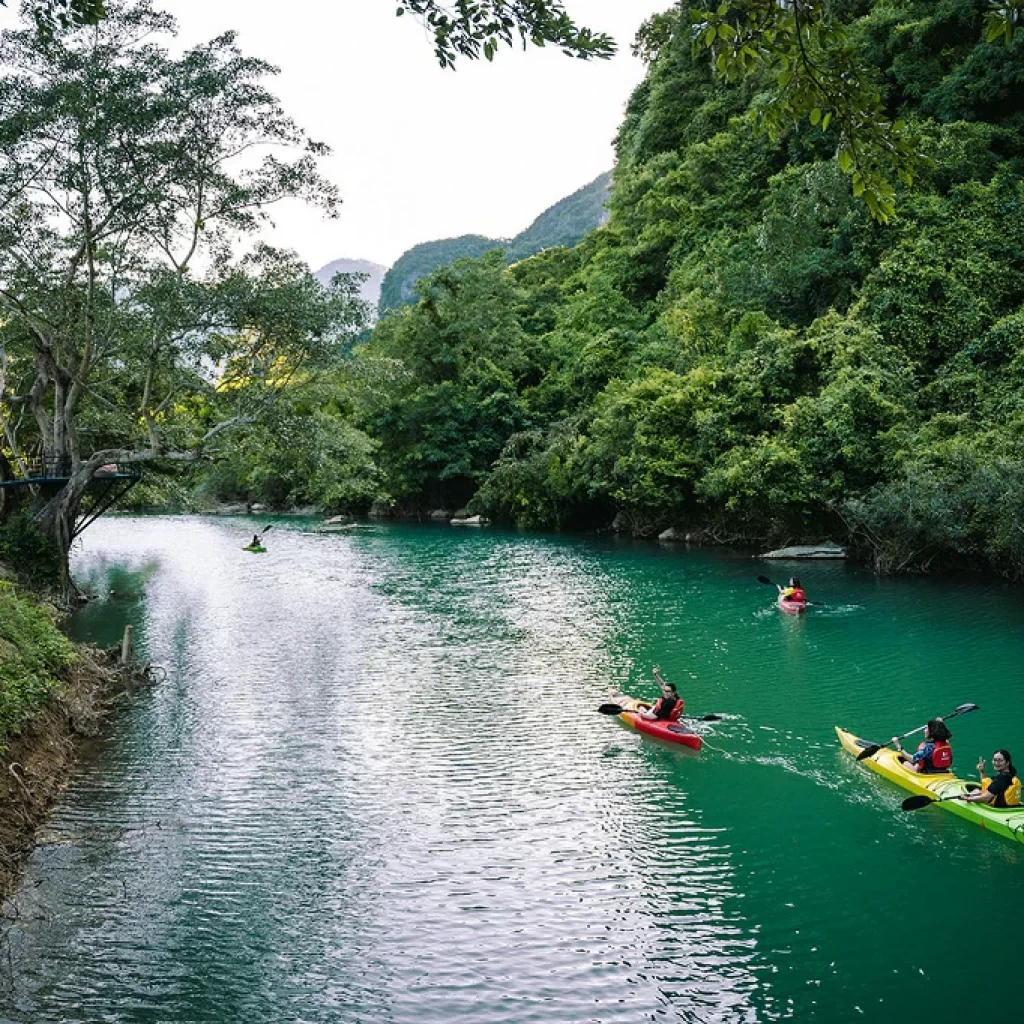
672, 687
793, 581
938, 731
1009, 761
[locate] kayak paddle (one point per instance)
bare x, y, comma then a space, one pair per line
874, 748
772, 583
618, 709
259, 536
914, 803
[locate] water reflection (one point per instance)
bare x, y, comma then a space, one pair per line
374, 788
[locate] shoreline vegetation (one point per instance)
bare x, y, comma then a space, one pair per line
742, 353
55, 697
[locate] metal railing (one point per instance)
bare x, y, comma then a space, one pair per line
48, 467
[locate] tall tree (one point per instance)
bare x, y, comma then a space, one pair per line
122, 171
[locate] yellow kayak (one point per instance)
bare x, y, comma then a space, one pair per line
1006, 821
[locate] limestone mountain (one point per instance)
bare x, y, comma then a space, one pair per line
565, 223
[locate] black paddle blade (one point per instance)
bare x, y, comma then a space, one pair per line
914, 803
764, 579
964, 708
610, 709
869, 751
709, 718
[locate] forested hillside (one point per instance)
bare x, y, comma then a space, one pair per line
565, 223
742, 350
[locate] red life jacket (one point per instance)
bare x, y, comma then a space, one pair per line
797, 595
941, 759
675, 714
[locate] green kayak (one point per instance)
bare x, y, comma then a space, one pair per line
255, 550
1007, 821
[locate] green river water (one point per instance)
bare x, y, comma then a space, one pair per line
374, 788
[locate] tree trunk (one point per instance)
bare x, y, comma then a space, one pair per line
56, 520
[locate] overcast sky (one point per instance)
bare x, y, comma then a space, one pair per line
420, 153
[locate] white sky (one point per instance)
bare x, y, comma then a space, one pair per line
420, 153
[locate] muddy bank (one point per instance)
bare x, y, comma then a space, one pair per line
39, 762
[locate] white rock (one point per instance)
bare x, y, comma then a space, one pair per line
673, 534
471, 521
827, 550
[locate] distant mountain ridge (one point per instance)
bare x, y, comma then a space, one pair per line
565, 223
369, 290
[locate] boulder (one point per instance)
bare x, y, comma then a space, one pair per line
826, 550
440, 514
334, 520
381, 509
673, 534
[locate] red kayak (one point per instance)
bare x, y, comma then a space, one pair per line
792, 607
673, 732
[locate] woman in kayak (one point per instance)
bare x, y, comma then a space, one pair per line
669, 706
934, 755
793, 592
1004, 789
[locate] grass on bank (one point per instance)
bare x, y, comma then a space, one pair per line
34, 655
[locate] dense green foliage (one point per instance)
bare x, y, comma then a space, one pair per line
33, 656
565, 223
743, 349
27, 551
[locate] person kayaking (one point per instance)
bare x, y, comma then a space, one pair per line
793, 592
256, 542
934, 755
668, 707
1001, 791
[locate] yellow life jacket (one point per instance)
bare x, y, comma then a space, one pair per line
1012, 794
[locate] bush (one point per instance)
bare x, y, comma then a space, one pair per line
27, 551
33, 654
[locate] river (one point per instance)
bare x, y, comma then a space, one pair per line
374, 788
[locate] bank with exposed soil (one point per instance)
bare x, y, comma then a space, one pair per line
54, 696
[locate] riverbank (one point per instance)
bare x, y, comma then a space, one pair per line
54, 696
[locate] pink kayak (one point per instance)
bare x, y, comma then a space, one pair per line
792, 607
